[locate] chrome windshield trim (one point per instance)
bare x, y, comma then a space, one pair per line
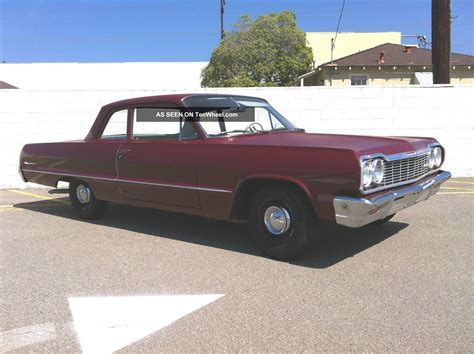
130, 181
395, 157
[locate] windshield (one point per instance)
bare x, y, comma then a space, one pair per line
227, 115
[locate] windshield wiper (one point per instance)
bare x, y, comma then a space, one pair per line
229, 131
242, 131
289, 129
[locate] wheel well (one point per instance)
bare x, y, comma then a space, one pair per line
248, 189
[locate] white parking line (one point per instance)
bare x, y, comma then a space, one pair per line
21, 337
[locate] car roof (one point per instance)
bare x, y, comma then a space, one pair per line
176, 98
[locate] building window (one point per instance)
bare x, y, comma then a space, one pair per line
358, 80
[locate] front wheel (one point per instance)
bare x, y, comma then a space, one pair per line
280, 220
84, 202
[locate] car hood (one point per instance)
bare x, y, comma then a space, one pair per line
360, 144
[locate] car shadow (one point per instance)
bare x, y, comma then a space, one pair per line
335, 243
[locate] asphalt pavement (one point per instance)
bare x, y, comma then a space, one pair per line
142, 280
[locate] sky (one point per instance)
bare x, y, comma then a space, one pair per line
188, 30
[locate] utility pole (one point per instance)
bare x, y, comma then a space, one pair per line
222, 18
441, 40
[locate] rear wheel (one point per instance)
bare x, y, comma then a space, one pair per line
280, 220
84, 202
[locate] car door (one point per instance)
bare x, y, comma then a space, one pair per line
156, 164
96, 158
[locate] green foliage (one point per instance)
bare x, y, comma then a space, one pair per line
270, 51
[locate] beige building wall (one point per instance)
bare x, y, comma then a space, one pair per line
375, 77
461, 76
347, 43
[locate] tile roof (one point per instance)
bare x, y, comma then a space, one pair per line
5, 85
396, 55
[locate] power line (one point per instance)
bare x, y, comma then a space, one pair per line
339, 21
333, 41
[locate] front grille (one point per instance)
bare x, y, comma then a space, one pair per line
403, 170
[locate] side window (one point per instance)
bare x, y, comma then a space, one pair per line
116, 127
161, 124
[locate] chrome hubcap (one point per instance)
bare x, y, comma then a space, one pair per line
83, 194
277, 220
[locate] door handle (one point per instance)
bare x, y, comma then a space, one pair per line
121, 154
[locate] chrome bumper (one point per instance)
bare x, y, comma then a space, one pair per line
357, 212
21, 174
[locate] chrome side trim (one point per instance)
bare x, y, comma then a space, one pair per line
131, 181
213, 190
357, 212
70, 175
155, 184
395, 157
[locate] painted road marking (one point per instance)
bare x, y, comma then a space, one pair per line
107, 324
461, 182
460, 189
441, 193
21, 337
38, 196
4, 210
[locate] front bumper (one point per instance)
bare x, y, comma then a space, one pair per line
357, 212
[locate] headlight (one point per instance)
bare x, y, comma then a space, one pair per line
432, 159
377, 168
438, 156
366, 173
372, 172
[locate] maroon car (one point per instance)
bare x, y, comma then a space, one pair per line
236, 158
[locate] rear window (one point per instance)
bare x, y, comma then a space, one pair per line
116, 127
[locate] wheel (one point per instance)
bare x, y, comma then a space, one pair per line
383, 221
281, 221
84, 202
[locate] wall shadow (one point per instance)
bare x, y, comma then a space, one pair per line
335, 243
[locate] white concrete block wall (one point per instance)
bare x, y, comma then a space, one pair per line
443, 112
103, 76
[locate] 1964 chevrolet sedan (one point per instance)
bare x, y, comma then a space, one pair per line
236, 158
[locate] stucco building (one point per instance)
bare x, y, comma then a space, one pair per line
346, 43
387, 64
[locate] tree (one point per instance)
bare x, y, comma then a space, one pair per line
270, 51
